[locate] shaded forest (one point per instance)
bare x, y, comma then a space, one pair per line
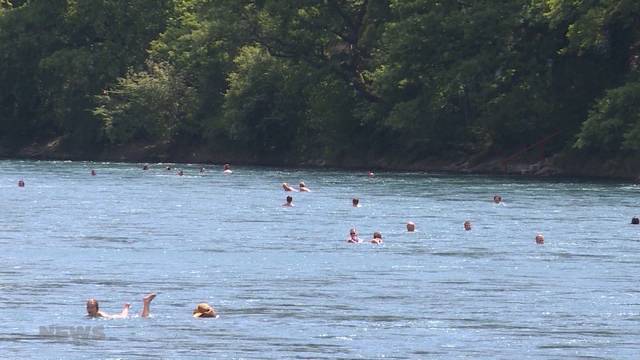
324, 80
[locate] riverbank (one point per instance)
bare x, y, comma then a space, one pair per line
557, 165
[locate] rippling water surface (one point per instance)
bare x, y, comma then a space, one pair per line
286, 283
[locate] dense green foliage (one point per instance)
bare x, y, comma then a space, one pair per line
331, 79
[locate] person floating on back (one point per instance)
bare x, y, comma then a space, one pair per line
303, 187
287, 187
204, 310
93, 309
289, 202
353, 237
377, 238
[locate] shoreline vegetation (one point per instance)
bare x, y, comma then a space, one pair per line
534, 87
555, 166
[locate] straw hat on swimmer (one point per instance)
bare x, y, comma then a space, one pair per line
204, 310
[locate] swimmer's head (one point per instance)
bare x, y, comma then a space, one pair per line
539, 239
377, 235
92, 307
355, 201
289, 199
353, 232
226, 167
411, 226
635, 221
302, 184
497, 199
467, 225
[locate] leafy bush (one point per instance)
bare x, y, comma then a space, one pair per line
149, 105
614, 122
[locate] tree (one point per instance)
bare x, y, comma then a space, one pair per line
58, 54
339, 35
153, 105
262, 110
605, 34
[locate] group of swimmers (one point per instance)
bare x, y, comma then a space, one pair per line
411, 226
377, 236
202, 310
302, 187
226, 169
355, 239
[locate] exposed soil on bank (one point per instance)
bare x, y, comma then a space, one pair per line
558, 165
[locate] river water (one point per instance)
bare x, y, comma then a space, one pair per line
286, 283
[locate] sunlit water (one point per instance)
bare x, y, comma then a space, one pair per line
286, 283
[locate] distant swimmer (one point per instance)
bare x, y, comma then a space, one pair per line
180, 173
635, 221
497, 199
411, 226
371, 174
226, 169
168, 168
289, 202
355, 202
201, 170
377, 238
93, 309
204, 310
303, 187
539, 239
353, 237
467, 225
287, 187
93, 172
20, 183
146, 167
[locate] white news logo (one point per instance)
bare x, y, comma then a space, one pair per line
74, 332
